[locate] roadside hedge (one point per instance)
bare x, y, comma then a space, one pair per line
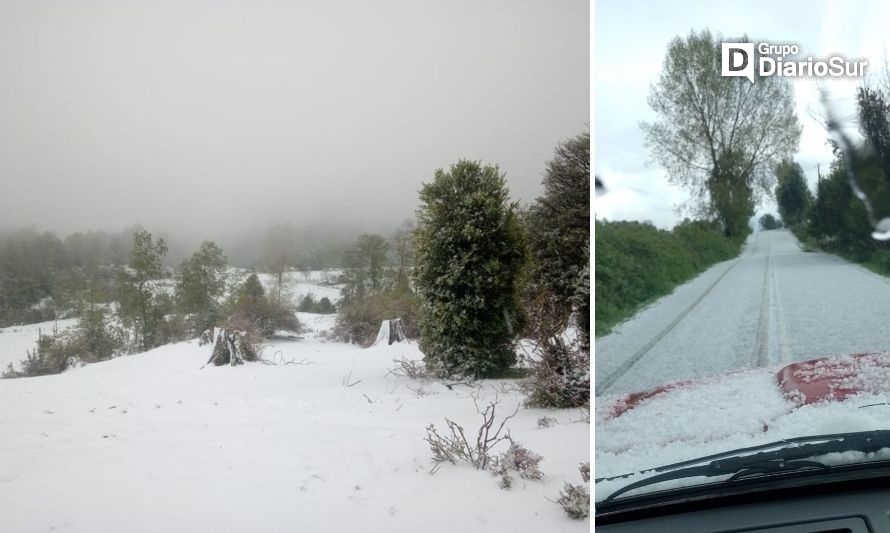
636, 263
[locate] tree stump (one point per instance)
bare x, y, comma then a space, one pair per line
231, 348
390, 331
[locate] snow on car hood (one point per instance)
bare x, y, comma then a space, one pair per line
686, 420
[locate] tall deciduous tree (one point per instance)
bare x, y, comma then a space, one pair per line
468, 254
719, 137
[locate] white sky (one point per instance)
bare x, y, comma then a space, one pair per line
204, 117
630, 38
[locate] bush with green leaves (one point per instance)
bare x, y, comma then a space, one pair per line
365, 268
310, 305
558, 229
769, 222
358, 322
200, 283
469, 252
92, 340
637, 263
250, 309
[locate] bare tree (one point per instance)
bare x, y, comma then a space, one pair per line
279, 265
403, 247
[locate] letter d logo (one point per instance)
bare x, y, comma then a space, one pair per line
737, 60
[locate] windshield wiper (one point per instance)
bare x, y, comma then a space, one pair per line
790, 455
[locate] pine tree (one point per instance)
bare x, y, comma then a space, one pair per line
469, 252
252, 289
138, 305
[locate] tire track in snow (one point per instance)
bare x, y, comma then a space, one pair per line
616, 374
783, 348
760, 355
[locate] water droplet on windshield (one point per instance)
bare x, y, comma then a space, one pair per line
882, 230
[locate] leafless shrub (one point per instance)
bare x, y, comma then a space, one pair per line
520, 460
420, 392
409, 368
560, 375
546, 422
559, 361
575, 499
456, 447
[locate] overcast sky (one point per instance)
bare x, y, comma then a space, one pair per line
204, 117
630, 41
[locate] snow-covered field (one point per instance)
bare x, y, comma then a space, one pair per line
15, 341
155, 442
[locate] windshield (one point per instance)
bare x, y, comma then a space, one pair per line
742, 266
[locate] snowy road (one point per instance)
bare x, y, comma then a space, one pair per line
771, 305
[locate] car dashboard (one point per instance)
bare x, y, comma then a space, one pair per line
862, 506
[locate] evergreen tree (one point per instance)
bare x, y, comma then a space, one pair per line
769, 222
792, 194
252, 289
138, 306
365, 268
469, 251
200, 283
325, 306
558, 227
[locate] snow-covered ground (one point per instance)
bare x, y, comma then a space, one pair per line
720, 414
16, 341
296, 286
155, 442
773, 304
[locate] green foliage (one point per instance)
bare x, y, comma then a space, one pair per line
637, 263
469, 252
365, 268
839, 222
558, 230
719, 137
792, 194
139, 307
200, 284
732, 199
92, 340
359, 321
768, 222
250, 310
309, 305
251, 288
